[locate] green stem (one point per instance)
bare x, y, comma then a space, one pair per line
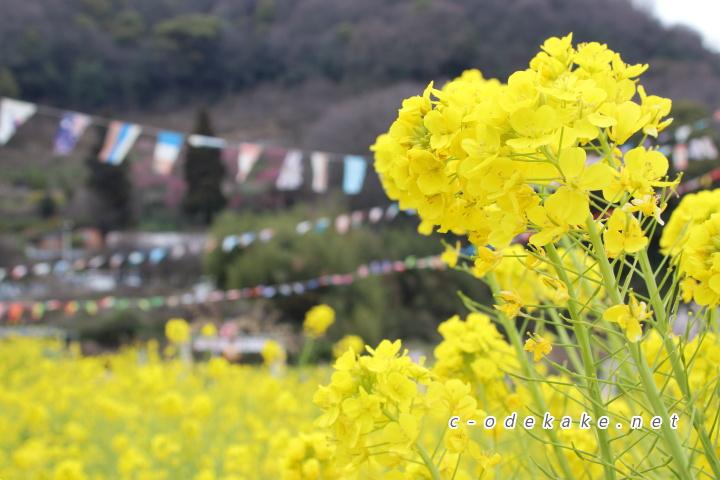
305, 353
613, 340
527, 369
662, 325
651, 391
434, 473
606, 149
593, 386
565, 338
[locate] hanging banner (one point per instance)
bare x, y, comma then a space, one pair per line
702, 148
37, 310
71, 127
119, 140
166, 151
319, 162
682, 133
291, 172
354, 174
15, 311
680, 157
376, 214
265, 176
342, 224
13, 113
203, 141
247, 157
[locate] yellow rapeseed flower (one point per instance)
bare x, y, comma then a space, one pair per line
571, 202
348, 342
450, 255
364, 410
317, 320
693, 209
642, 171
272, 351
701, 260
538, 345
513, 303
628, 317
177, 330
623, 233
486, 260
209, 330
401, 435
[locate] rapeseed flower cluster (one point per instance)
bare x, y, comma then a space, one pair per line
378, 405
692, 235
475, 352
538, 158
495, 160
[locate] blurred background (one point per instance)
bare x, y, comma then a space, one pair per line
114, 218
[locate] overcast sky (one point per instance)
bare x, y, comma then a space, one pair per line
702, 15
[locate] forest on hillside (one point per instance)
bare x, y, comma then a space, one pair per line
89, 54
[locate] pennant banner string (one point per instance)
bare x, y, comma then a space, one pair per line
154, 255
681, 132
193, 140
14, 311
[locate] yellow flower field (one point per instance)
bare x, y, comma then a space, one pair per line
133, 415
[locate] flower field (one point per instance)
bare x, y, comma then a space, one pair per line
133, 415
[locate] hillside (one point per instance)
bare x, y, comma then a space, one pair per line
161, 54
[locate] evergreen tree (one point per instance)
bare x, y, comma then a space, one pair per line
110, 186
47, 207
204, 173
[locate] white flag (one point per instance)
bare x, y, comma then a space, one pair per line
320, 171
680, 157
291, 172
203, 141
709, 150
247, 156
13, 113
342, 223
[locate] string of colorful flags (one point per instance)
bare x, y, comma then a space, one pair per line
287, 164
116, 260
121, 137
15, 311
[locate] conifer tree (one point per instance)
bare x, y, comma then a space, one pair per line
204, 173
110, 186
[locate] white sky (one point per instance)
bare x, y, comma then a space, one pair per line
701, 15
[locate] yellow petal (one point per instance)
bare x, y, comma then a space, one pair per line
614, 314
597, 177
600, 120
634, 331
569, 205
572, 162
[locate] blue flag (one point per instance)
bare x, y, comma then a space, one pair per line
354, 175
167, 150
118, 141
